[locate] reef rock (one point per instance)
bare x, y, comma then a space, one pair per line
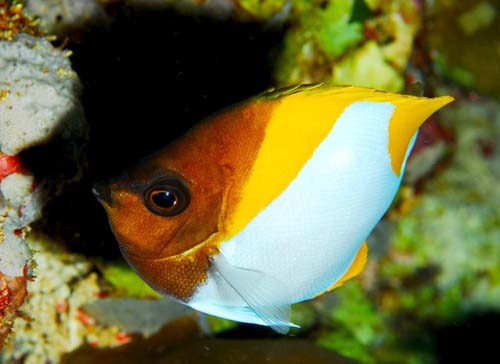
39, 93
39, 101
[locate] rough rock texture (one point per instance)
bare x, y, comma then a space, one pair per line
40, 93
67, 308
63, 282
17, 192
138, 316
17, 197
39, 101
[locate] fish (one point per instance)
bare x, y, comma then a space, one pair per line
266, 203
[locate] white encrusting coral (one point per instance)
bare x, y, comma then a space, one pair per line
39, 100
38, 93
16, 190
14, 254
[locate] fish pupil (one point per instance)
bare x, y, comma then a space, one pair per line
168, 196
164, 199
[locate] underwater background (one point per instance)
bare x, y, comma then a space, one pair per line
126, 77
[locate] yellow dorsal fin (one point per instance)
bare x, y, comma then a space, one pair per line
356, 268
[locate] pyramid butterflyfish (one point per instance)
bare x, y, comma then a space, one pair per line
266, 203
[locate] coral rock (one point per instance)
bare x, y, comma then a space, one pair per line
40, 93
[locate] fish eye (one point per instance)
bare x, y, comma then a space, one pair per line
167, 197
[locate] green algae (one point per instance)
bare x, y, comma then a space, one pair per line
332, 26
355, 324
125, 280
320, 32
262, 9
218, 325
367, 67
365, 43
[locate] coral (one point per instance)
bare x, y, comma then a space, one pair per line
12, 295
67, 287
38, 102
13, 21
68, 307
359, 42
307, 55
17, 193
367, 67
55, 322
14, 254
41, 93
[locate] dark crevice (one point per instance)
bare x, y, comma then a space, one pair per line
148, 78
470, 340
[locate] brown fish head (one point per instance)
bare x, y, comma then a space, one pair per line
171, 211
165, 205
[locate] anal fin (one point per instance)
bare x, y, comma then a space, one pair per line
355, 269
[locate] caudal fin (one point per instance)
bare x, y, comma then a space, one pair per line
409, 115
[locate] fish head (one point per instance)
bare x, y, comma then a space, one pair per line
165, 205
170, 212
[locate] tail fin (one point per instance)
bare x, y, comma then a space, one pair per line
409, 115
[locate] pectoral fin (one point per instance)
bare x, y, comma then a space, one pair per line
265, 295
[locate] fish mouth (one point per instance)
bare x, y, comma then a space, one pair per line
102, 193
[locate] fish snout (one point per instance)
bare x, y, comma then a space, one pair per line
102, 192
